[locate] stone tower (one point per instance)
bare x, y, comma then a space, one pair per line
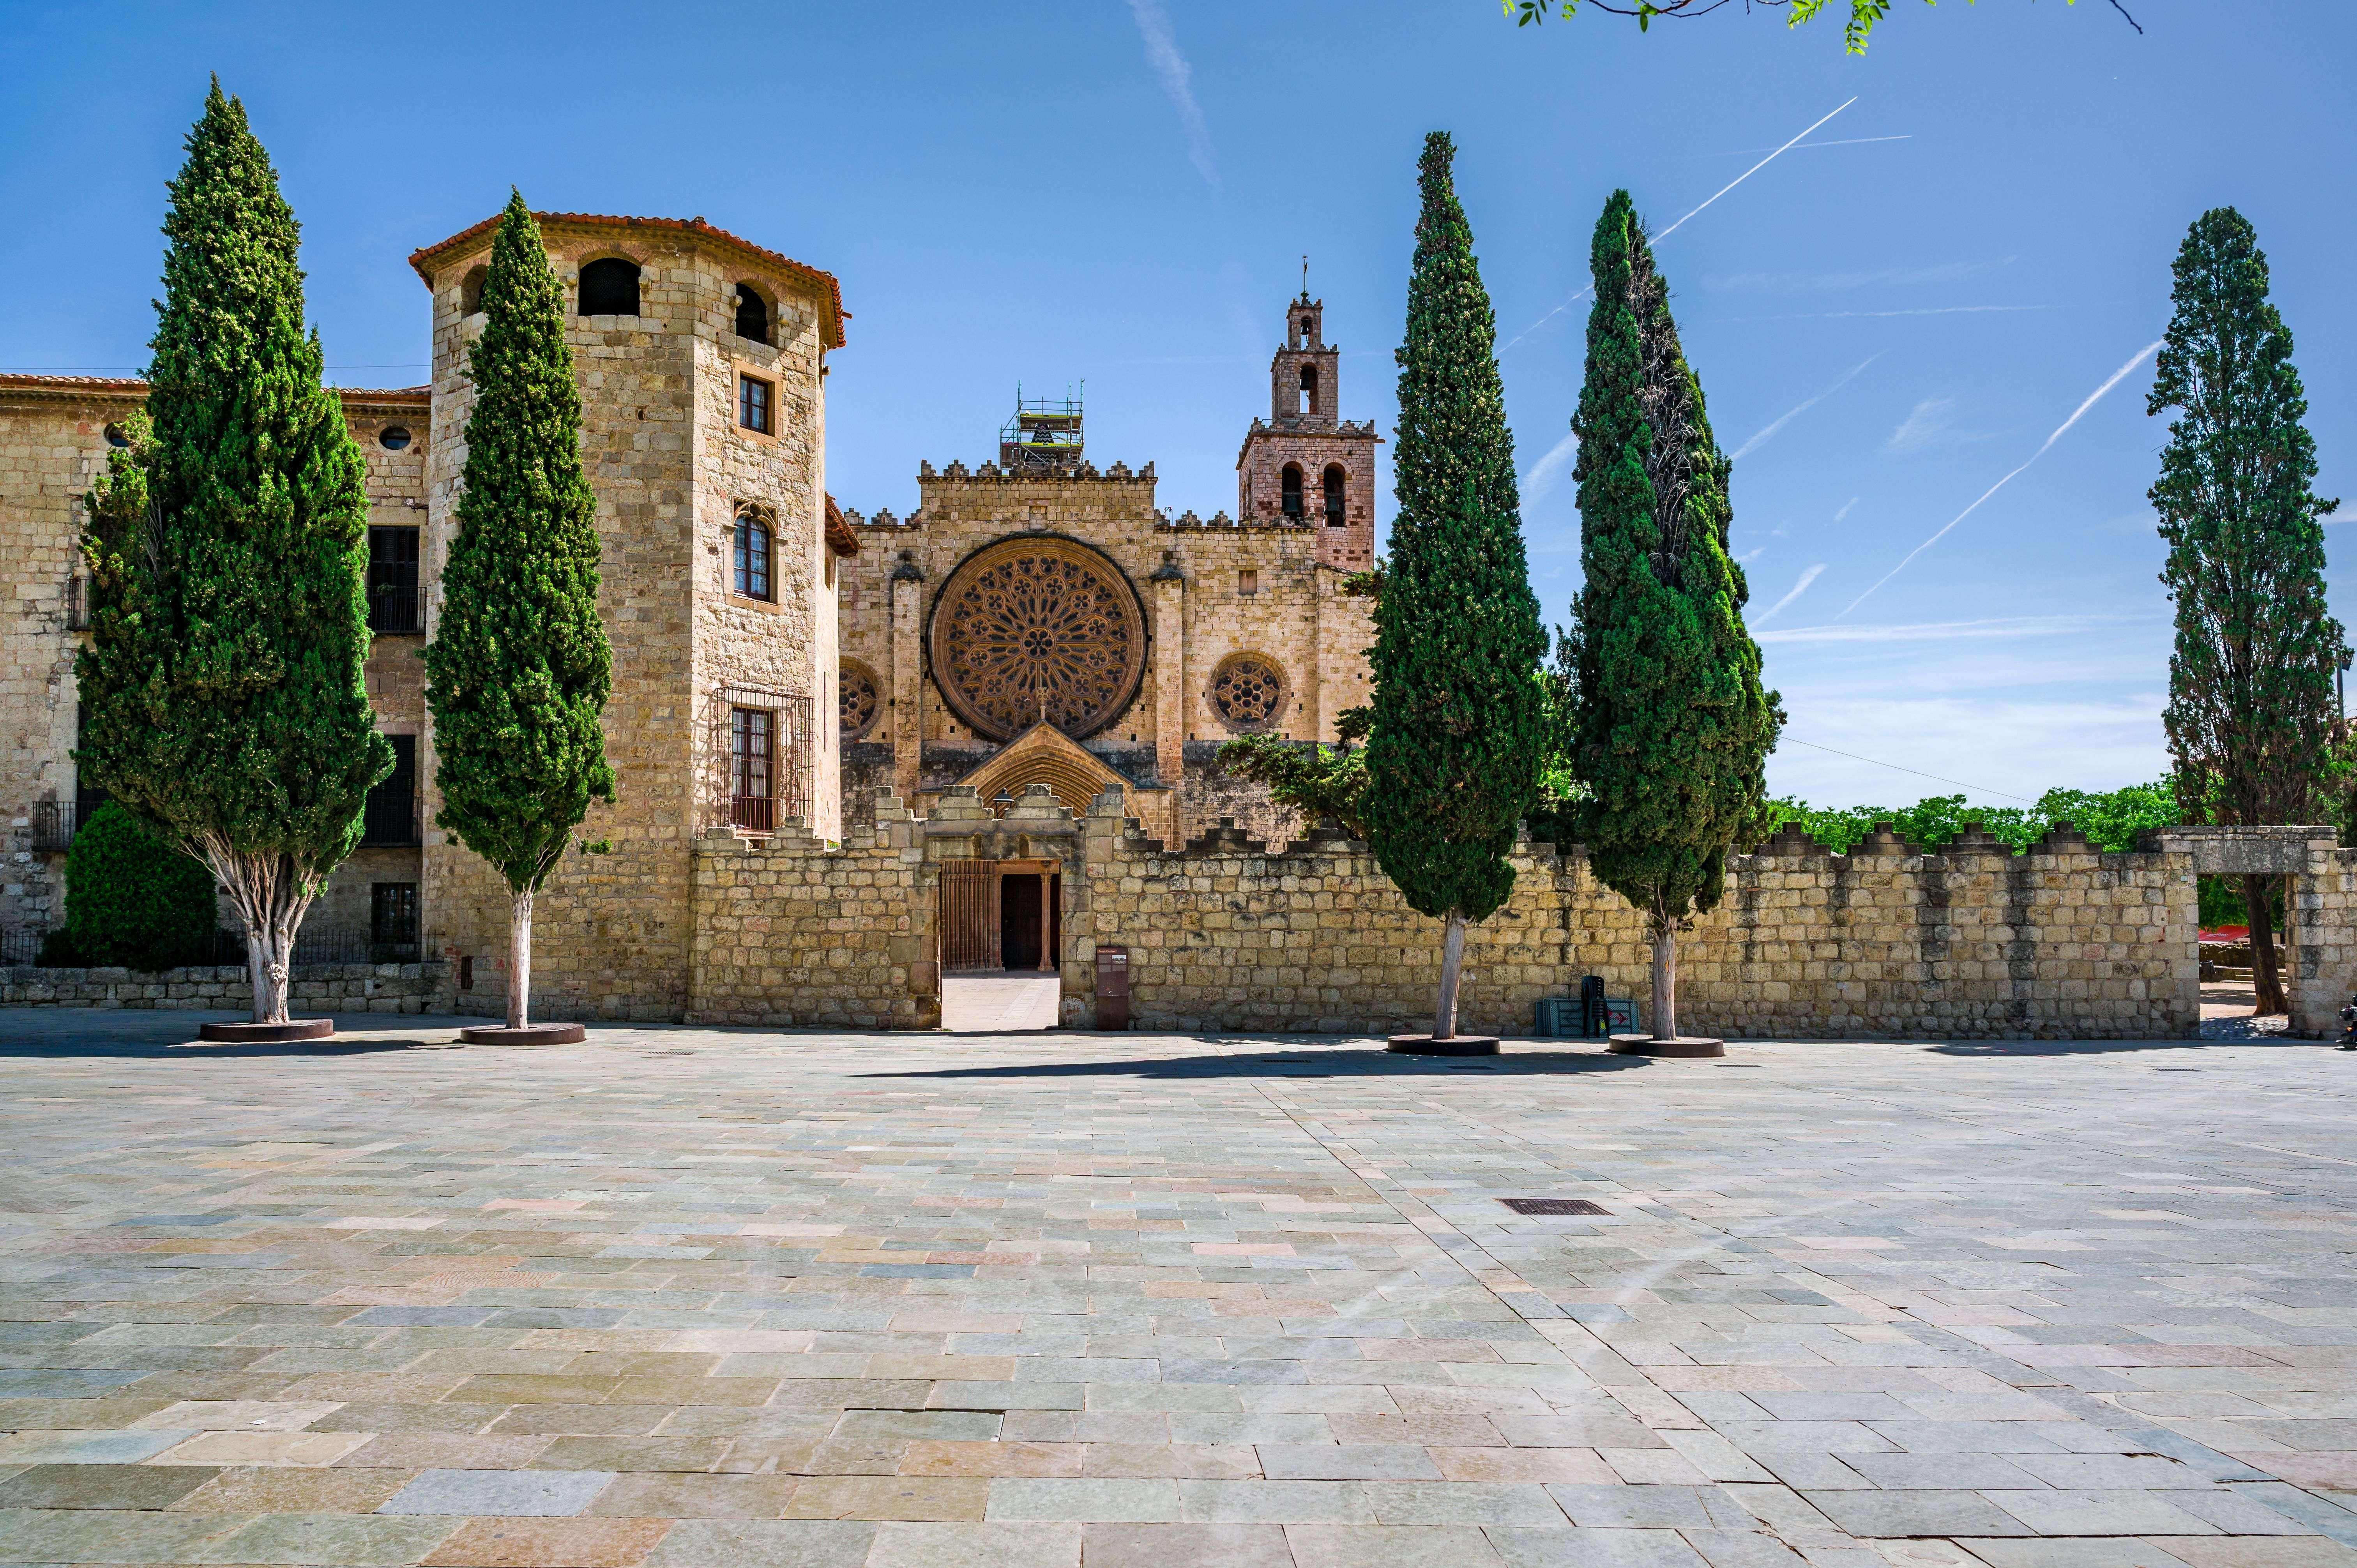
1305, 465
700, 359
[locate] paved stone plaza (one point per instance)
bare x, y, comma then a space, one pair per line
687, 1297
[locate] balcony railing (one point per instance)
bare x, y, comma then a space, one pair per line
754, 813
391, 820
394, 609
53, 825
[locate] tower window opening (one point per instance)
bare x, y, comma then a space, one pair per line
752, 315
753, 404
1291, 481
609, 286
1309, 389
470, 290
751, 576
1335, 480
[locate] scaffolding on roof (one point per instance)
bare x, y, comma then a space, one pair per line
1045, 434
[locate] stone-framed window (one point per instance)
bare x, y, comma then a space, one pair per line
1290, 491
470, 290
752, 769
1248, 693
1337, 483
609, 286
860, 700
756, 401
1310, 389
393, 921
394, 604
753, 548
1248, 580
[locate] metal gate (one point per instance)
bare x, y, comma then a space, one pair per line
969, 915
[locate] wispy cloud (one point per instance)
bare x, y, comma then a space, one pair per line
1764, 437
1673, 228
1928, 310
1845, 508
1177, 81
1811, 576
1842, 282
1549, 468
1926, 424
2077, 413
1942, 631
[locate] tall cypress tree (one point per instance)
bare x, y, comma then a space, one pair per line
1670, 729
2251, 703
1459, 736
520, 669
228, 553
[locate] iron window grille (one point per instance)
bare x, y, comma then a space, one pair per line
393, 592
390, 820
761, 760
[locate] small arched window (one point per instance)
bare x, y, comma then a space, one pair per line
470, 290
1291, 482
752, 315
1335, 480
1309, 389
609, 286
752, 553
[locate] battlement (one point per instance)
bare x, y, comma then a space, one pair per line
1188, 523
1081, 472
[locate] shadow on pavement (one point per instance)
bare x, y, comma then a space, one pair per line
170, 1033
2093, 1048
1282, 1065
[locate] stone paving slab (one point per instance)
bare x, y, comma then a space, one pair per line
678, 1297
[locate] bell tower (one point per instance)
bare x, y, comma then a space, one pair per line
1305, 466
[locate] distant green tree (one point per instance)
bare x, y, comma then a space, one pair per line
2252, 719
1670, 729
2111, 820
132, 899
227, 548
520, 669
1457, 732
1320, 780
1863, 14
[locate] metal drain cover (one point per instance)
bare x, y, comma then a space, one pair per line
1553, 1206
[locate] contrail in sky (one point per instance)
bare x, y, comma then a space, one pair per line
1768, 434
1665, 233
1811, 576
1162, 48
1542, 477
2093, 399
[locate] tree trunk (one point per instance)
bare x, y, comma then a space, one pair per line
2266, 980
519, 959
267, 970
1665, 984
270, 899
1452, 964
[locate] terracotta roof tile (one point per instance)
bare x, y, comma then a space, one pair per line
833, 328
839, 537
132, 386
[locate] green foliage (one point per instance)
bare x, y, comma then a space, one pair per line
520, 669
2111, 820
1318, 780
1458, 733
1863, 14
133, 900
1670, 728
2251, 713
227, 551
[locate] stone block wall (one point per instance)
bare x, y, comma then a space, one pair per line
795, 931
394, 988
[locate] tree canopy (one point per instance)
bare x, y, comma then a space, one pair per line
1863, 14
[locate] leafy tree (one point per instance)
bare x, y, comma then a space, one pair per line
519, 669
132, 899
1457, 733
227, 550
2251, 717
2111, 820
1317, 779
1863, 14
1670, 729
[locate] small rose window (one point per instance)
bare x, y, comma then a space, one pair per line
1248, 691
859, 699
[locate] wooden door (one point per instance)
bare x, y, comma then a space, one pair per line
969, 892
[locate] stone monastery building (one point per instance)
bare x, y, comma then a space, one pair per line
1036, 621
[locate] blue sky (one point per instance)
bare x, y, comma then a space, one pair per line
1887, 318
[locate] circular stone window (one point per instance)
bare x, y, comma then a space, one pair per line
859, 701
1036, 628
116, 437
392, 437
1248, 691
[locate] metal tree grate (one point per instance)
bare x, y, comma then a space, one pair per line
1553, 1206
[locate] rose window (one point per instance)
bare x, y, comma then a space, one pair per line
858, 701
1248, 691
1033, 629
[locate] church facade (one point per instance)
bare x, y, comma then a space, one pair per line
1036, 620
1040, 620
